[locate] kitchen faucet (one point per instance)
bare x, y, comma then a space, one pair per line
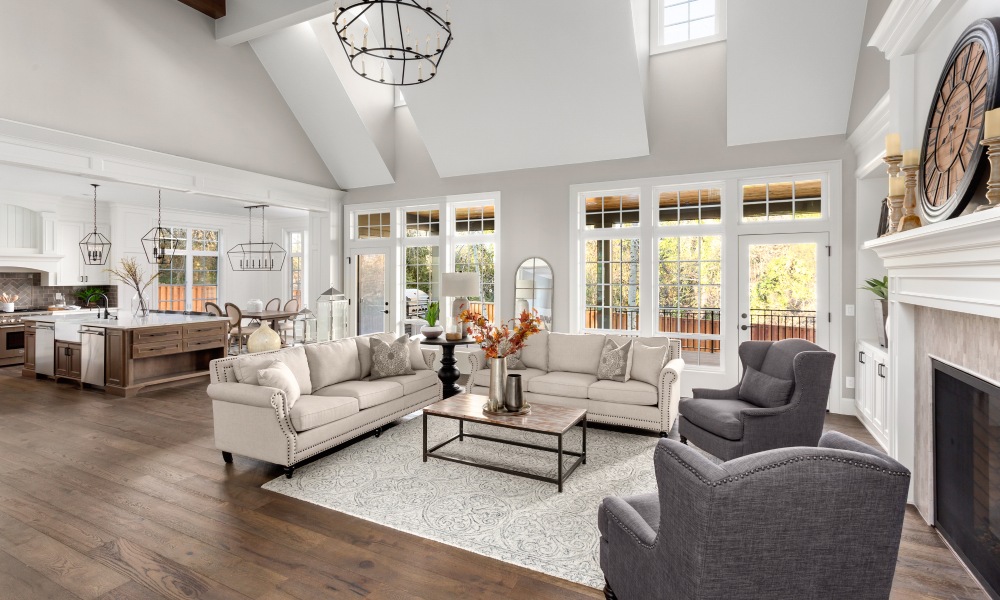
107, 313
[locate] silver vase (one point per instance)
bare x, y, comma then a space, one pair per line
498, 377
513, 398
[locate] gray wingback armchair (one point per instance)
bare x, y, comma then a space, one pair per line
789, 524
780, 401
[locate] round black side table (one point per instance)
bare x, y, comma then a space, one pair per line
448, 374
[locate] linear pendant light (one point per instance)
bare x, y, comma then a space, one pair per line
256, 256
159, 243
94, 246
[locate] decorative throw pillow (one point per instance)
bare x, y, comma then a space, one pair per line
278, 375
647, 362
390, 359
514, 361
763, 390
417, 360
616, 361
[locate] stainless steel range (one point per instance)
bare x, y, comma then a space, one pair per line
12, 335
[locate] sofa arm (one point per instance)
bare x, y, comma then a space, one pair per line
249, 395
732, 393
615, 512
669, 392
477, 361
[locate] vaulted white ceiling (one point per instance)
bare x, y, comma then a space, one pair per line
531, 83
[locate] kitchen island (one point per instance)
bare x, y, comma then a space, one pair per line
124, 355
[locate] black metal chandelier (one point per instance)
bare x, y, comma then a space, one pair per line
256, 256
94, 246
395, 42
159, 242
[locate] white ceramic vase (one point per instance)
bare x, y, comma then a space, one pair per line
264, 339
430, 332
6, 307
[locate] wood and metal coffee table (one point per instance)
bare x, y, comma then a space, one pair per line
543, 419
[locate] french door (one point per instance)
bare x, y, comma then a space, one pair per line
369, 289
785, 287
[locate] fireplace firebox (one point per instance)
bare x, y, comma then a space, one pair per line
967, 469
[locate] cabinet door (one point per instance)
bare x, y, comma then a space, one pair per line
68, 244
62, 360
878, 410
75, 361
861, 392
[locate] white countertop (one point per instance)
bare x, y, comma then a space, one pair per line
127, 321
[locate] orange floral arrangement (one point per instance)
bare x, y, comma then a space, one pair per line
499, 341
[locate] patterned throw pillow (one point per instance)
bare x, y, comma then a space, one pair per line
616, 361
391, 359
514, 361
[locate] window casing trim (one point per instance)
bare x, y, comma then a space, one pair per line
656, 45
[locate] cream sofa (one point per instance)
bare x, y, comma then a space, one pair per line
561, 369
339, 401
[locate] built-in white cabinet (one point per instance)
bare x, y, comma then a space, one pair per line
72, 270
872, 393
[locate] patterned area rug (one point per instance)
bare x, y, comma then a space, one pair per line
510, 518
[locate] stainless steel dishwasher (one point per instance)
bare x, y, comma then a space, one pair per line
45, 348
92, 351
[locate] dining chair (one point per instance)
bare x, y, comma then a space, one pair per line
237, 328
286, 326
273, 304
213, 309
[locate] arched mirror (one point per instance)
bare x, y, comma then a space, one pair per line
533, 289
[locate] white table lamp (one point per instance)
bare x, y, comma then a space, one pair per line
459, 286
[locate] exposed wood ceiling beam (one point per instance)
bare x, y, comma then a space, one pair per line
213, 8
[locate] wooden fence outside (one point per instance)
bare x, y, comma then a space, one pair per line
173, 297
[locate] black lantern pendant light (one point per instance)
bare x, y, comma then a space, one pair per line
159, 242
256, 256
395, 42
94, 246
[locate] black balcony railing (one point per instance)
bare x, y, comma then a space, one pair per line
774, 325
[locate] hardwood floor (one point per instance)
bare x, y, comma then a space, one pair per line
128, 499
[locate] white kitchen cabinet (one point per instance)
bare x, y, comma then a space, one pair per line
72, 269
873, 398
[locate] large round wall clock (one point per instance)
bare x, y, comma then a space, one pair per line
952, 157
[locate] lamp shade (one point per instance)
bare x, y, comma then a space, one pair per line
456, 285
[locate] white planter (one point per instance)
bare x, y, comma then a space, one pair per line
6, 307
431, 332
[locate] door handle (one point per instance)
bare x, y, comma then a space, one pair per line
861, 357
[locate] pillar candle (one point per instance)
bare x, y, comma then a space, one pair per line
992, 127
911, 157
892, 144
897, 186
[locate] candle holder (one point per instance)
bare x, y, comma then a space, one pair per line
993, 185
895, 214
910, 220
893, 160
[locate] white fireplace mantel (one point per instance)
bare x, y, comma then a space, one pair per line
955, 266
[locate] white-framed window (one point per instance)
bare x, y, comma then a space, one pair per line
192, 277
297, 266
429, 237
782, 198
678, 24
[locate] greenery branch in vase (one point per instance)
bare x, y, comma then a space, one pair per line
131, 274
499, 342
880, 287
432, 330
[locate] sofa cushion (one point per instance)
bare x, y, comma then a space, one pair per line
647, 362
278, 375
420, 380
623, 392
245, 367
559, 383
365, 350
616, 361
514, 360
313, 411
333, 362
575, 353
763, 390
368, 393
482, 376
391, 358
721, 417
780, 359
535, 354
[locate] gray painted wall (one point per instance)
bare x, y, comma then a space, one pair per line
871, 80
148, 73
687, 134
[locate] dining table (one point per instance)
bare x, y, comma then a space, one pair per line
270, 315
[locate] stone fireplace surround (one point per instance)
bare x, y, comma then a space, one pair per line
944, 301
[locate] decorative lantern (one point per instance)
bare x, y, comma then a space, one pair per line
305, 327
331, 315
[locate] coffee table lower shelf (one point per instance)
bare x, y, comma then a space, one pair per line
562, 474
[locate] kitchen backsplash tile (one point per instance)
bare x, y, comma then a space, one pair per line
32, 295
